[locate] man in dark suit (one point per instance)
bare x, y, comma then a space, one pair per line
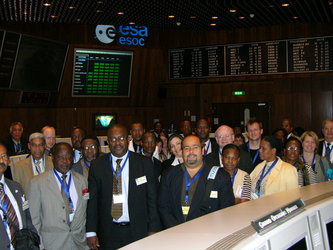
225, 135
122, 205
14, 193
202, 130
148, 149
15, 143
185, 192
326, 146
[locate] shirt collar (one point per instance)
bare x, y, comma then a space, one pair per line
114, 158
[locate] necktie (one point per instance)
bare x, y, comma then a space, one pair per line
205, 150
65, 198
12, 219
117, 208
327, 150
38, 166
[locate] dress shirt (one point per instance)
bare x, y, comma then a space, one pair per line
124, 185
41, 165
175, 162
15, 206
76, 155
72, 189
208, 147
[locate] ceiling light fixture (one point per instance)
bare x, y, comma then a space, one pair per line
215, 17
213, 24
241, 17
99, 11
232, 11
53, 16
171, 16
120, 13
71, 7
131, 23
193, 17
285, 4
295, 17
47, 4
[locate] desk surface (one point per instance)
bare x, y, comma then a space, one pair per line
203, 232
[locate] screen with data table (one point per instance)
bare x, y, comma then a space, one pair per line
102, 73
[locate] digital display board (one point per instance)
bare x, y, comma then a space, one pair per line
102, 73
270, 57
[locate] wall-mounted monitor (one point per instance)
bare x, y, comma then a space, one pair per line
102, 73
103, 121
39, 64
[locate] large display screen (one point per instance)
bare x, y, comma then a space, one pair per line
103, 121
102, 73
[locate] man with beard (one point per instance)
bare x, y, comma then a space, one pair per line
193, 189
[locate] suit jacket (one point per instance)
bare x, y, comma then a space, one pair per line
169, 198
49, 215
18, 193
142, 203
245, 162
8, 141
80, 168
283, 177
23, 172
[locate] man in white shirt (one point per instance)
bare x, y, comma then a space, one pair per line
76, 136
137, 130
12, 191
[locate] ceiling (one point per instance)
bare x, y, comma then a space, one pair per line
192, 15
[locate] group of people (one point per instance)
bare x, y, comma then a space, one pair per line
75, 197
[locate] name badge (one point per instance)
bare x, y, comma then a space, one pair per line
118, 198
213, 194
254, 196
25, 205
141, 180
71, 217
238, 192
185, 210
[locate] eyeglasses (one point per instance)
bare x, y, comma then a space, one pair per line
90, 147
4, 157
293, 148
188, 148
121, 139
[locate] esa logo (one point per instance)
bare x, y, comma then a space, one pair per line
128, 35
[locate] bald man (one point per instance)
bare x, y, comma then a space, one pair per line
225, 135
50, 138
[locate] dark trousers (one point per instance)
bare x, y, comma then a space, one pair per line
121, 236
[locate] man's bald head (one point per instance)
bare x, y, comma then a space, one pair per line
224, 135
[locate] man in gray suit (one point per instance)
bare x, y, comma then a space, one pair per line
37, 163
58, 201
14, 192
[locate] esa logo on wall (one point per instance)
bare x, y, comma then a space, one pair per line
124, 35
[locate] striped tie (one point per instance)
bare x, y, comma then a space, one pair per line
117, 208
12, 219
38, 166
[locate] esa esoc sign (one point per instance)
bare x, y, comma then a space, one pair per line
124, 35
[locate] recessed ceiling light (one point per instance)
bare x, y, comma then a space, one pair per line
171, 16
71, 7
120, 13
241, 17
330, 3
131, 23
213, 24
53, 16
295, 17
215, 17
99, 2
193, 17
78, 20
232, 10
25, 13
47, 4
285, 4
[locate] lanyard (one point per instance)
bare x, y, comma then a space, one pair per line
313, 161
35, 161
255, 156
208, 146
121, 169
262, 176
66, 189
233, 176
188, 184
86, 163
